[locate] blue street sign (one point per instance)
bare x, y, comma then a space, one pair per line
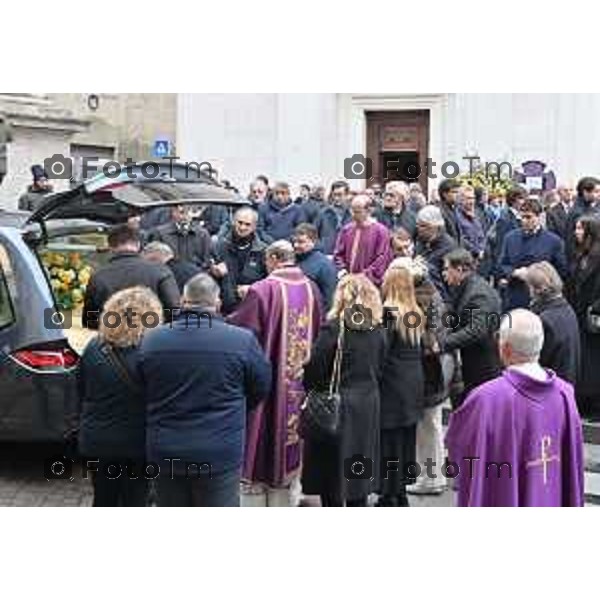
161, 148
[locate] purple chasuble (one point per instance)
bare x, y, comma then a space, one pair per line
533, 427
364, 250
284, 312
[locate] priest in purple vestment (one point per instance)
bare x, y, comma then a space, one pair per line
284, 312
517, 440
363, 245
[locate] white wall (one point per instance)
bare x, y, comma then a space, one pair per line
292, 137
562, 130
305, 137
29, 147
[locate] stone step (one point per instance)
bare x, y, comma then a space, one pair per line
592, 488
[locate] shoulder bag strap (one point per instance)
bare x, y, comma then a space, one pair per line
334, 384
122, 371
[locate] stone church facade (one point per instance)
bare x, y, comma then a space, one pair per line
307, 137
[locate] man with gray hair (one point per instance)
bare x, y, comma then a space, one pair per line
163, 254
200, 377
433, 243
394, 211
284, 312
517, 440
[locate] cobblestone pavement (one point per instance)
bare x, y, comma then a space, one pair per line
22, 480
23, 483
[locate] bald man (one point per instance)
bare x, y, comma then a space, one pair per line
517, 440
363, 245
239, 259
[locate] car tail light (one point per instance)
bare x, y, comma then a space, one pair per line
47, 359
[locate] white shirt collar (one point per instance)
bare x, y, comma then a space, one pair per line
532, 369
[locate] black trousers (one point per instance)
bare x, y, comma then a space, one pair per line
221, 489
328, 500
121, 490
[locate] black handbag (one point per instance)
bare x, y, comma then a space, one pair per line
320, 414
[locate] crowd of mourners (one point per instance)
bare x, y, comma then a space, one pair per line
393, 299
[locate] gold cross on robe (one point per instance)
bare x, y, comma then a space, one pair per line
545, 458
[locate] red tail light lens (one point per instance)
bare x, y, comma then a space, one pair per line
42, 359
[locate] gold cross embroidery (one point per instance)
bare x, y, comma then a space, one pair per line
545, 458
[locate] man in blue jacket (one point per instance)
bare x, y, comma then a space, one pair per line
529, 244
200, 376
314, 264
279, 216
333, 216
509, 220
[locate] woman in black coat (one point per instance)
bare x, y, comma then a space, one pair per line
585, 299
402, 386
342, 470
561, 351
112, 418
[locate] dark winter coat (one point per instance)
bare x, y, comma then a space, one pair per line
506, 222
277, 222
434, 252
311, 209
126, 270
183, 271
581, 208
329, 223
245, 260
316, 266
586, 295
213, 218
189, 244
451, 222
362, 366
199, 377
406, 218
32, 199
112, 418
561, 351
435, 363
402, 384
556, 220
477, 305
522, 249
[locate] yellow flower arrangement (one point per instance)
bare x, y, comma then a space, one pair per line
69, 276
486, 179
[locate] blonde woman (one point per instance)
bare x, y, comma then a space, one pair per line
112, 422
335, 469
402, 386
